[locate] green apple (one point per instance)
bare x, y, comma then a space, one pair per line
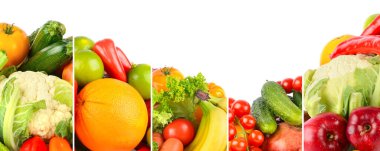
369, 20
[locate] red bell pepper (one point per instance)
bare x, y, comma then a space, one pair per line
373, 28
34, 144
124, 60
358, 45
107, 52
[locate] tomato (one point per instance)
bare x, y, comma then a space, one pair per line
231, 116
253, 148
34, 144
172, 144
83, 43
287, 84
181, 129
67, 73
216, 90
157, 138
15, 43
59, 144
230, 101
248, 121
297, 84
231, 131
238, 144
88, 67
160, 75
139, 77
241, 108
255, 138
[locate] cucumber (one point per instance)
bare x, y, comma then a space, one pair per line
50, 58
297, 99
279, 103
51, 32
264, 117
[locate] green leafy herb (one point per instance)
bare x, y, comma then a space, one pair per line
178, 102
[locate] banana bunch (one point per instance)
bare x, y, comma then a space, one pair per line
212, 131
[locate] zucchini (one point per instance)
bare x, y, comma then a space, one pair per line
264, 117
50, 58
297, 99
276, 99
32, 36
51, 32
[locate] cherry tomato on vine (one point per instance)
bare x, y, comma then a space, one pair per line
231, 116
238, 144
248, 121
231, 131
255, 138
297, 84
230, 101
253, 148
287, 84
241, 108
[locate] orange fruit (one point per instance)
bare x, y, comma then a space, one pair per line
330, 47
110, 115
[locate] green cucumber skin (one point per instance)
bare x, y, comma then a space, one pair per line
279, 103
264, 117
297, 99
51, 32
48, 59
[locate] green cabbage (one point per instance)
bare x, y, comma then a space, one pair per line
347, 82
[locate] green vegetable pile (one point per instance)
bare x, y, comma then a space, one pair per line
346, 83
179, 102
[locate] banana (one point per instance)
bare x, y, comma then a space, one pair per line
219, 102
212, 131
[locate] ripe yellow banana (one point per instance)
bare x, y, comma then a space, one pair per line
212, 131
219, 102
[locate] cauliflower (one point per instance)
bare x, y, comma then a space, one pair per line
38, 103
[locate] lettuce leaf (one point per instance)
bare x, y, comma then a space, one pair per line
178, 102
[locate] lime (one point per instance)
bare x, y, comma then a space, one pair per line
83, 43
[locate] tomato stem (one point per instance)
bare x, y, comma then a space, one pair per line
8, 29
166, 71
243, 131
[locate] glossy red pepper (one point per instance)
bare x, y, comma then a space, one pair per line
34, 144
358, 45
373, 28
107, 52
124, 60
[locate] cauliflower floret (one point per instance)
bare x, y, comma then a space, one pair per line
44, 121
36, 86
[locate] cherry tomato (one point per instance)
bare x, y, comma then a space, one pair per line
253, 148
231, 116
287, 84
231, 131
241, 108
255, 138
248, 121
297, 84
230, 101
238, 144
181, 129
279, 82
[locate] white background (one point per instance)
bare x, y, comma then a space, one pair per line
237, 44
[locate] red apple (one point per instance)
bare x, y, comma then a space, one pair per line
325, 132
363, 128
